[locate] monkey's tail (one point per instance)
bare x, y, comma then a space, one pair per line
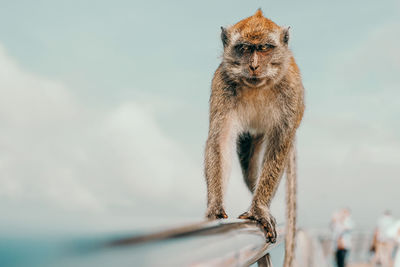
291, 188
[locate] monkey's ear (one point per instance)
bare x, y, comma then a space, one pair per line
285, 35
224, 36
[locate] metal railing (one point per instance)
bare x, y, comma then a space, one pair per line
210, 243
216, 243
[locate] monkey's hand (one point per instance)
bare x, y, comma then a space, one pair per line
216, 212
265, 219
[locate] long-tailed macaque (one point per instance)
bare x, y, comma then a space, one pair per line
256, 105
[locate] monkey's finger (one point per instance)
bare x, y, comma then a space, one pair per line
221, 216
271, 228
274, 229
265, 226
270, 235
270, 232
273, 234
246, 215
272, 239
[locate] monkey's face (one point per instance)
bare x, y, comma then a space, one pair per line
255, 50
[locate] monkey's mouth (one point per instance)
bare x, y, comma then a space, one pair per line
253, 80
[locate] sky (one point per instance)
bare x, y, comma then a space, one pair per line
104, 110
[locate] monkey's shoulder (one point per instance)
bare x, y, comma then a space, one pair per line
221, 79
223, 86
293, 78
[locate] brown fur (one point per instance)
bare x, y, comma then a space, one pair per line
257, 104
253, 28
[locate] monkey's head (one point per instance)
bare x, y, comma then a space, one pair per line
255, 50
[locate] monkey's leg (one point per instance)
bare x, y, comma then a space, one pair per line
249, 150
218, 158
273, 166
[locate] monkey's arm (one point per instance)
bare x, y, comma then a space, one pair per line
219, 147
275, 161
280, 142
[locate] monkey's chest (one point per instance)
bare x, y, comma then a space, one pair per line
257, 112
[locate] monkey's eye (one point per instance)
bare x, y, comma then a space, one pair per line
246, 48
265, 47
242, 48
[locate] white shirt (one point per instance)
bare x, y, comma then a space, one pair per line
384, 224
393, 231
342, 232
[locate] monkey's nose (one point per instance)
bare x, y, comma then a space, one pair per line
253, 68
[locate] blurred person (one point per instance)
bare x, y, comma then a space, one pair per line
394, 233
341, 226
383, 242
372, 249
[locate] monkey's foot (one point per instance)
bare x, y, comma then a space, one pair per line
214, 213
266, 220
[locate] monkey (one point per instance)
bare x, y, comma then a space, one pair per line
256, 106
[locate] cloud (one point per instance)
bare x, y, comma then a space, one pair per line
350, 138
57, 153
